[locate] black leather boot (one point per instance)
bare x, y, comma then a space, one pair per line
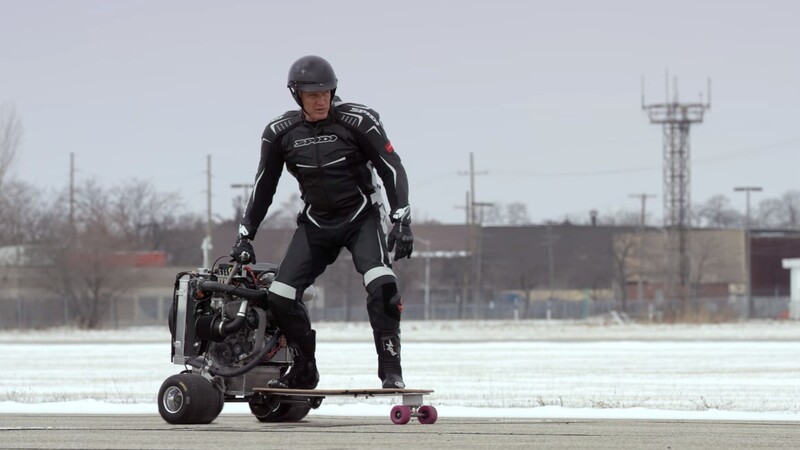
303, 374
387, 345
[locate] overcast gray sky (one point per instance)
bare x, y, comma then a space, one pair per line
546, 94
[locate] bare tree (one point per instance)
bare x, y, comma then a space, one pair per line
769, 213
87, 269
493, 215
17, 199
790, 212
87, 273
505, 214
142, 215
87, 260
717, 212
781, 212
704, 257
624, 245
621, 217
10, 140
517, 214
27, 214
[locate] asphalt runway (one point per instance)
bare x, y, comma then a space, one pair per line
243, 431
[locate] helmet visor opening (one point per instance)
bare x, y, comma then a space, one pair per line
311, 86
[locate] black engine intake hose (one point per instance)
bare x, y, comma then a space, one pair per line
214, 328
218, 371
243, 292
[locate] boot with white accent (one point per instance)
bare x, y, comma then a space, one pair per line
387, 345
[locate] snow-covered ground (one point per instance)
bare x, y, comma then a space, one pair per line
538, 369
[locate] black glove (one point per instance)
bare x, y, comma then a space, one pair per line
401, 233
242, 251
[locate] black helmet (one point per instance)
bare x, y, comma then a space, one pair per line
311, 74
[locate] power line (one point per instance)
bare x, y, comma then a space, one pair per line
443, 177
736, 154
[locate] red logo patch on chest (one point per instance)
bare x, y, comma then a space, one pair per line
388, 147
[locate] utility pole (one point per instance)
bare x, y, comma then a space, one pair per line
676, 120
549, 240
427, 286
472, 229
471, 216
465, 207
751, 307
207, 244
468, 251
245, 195
479, 250
640, 232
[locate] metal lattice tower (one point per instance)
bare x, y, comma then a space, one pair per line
676, 120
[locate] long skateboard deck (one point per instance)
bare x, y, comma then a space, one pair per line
412, 400
353, 392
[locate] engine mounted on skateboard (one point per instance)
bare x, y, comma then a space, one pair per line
225, 337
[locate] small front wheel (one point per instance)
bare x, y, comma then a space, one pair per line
400, 414
187, 399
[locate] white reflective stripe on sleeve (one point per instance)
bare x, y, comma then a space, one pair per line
394, 172
376, 272
283, 289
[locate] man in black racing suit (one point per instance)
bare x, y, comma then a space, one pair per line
331, 148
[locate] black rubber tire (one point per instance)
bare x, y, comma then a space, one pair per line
282, 412
188, 399
220, 401
264, 412
294, 413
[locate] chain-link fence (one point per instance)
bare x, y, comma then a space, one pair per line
37, 313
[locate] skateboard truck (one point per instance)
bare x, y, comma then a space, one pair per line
412, 407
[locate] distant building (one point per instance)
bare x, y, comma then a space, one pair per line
559, 271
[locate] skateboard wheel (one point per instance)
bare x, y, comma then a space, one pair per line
427, 414
400, 414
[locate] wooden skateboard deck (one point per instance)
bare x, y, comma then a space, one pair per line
353, 392
401, 414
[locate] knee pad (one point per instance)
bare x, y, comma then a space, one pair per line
385, 305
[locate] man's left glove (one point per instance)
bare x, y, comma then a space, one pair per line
242, 251
401, 234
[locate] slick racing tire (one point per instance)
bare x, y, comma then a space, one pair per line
188, 399
266, 411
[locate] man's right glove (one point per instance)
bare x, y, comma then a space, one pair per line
401, 234
242, 251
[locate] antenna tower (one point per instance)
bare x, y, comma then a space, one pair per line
676, 119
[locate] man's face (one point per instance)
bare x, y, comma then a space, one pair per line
316, 104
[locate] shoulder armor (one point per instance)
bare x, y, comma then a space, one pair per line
357, 115
280, 124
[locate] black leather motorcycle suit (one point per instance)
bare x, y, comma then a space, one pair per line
333, 162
